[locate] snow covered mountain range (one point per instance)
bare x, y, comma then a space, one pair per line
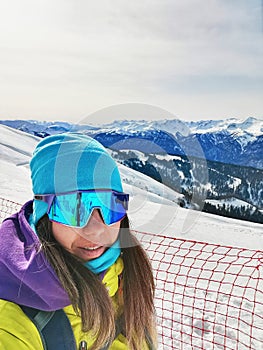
232, 141
216, 166
153, 206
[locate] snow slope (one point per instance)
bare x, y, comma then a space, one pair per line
153, 207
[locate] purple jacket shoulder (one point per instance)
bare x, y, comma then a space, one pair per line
27, 277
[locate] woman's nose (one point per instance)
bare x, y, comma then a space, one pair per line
95, 223
96, 218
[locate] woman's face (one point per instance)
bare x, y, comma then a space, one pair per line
90, 241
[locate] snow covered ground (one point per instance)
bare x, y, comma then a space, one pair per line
154, 209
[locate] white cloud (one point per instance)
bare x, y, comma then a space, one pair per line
65, 58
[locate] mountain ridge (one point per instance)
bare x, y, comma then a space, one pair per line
232, 141
161, 156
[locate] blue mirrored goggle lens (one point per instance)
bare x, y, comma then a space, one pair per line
75, 209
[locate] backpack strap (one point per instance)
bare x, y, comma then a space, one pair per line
56, 333
149, 342
54, 328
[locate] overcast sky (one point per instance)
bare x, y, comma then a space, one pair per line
66, 59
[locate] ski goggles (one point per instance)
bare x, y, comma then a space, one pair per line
75, 208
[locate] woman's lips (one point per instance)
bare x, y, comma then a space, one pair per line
92, 248
90, 252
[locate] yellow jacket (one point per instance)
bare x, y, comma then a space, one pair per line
18, 332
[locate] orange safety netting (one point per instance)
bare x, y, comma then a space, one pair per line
208, 296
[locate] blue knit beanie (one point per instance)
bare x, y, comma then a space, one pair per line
68, 162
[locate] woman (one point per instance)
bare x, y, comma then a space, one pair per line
71, 249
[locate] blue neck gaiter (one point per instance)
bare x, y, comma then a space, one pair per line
104, 261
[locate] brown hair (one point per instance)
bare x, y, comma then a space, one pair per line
91, 300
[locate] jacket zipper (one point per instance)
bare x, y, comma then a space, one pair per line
83, 345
